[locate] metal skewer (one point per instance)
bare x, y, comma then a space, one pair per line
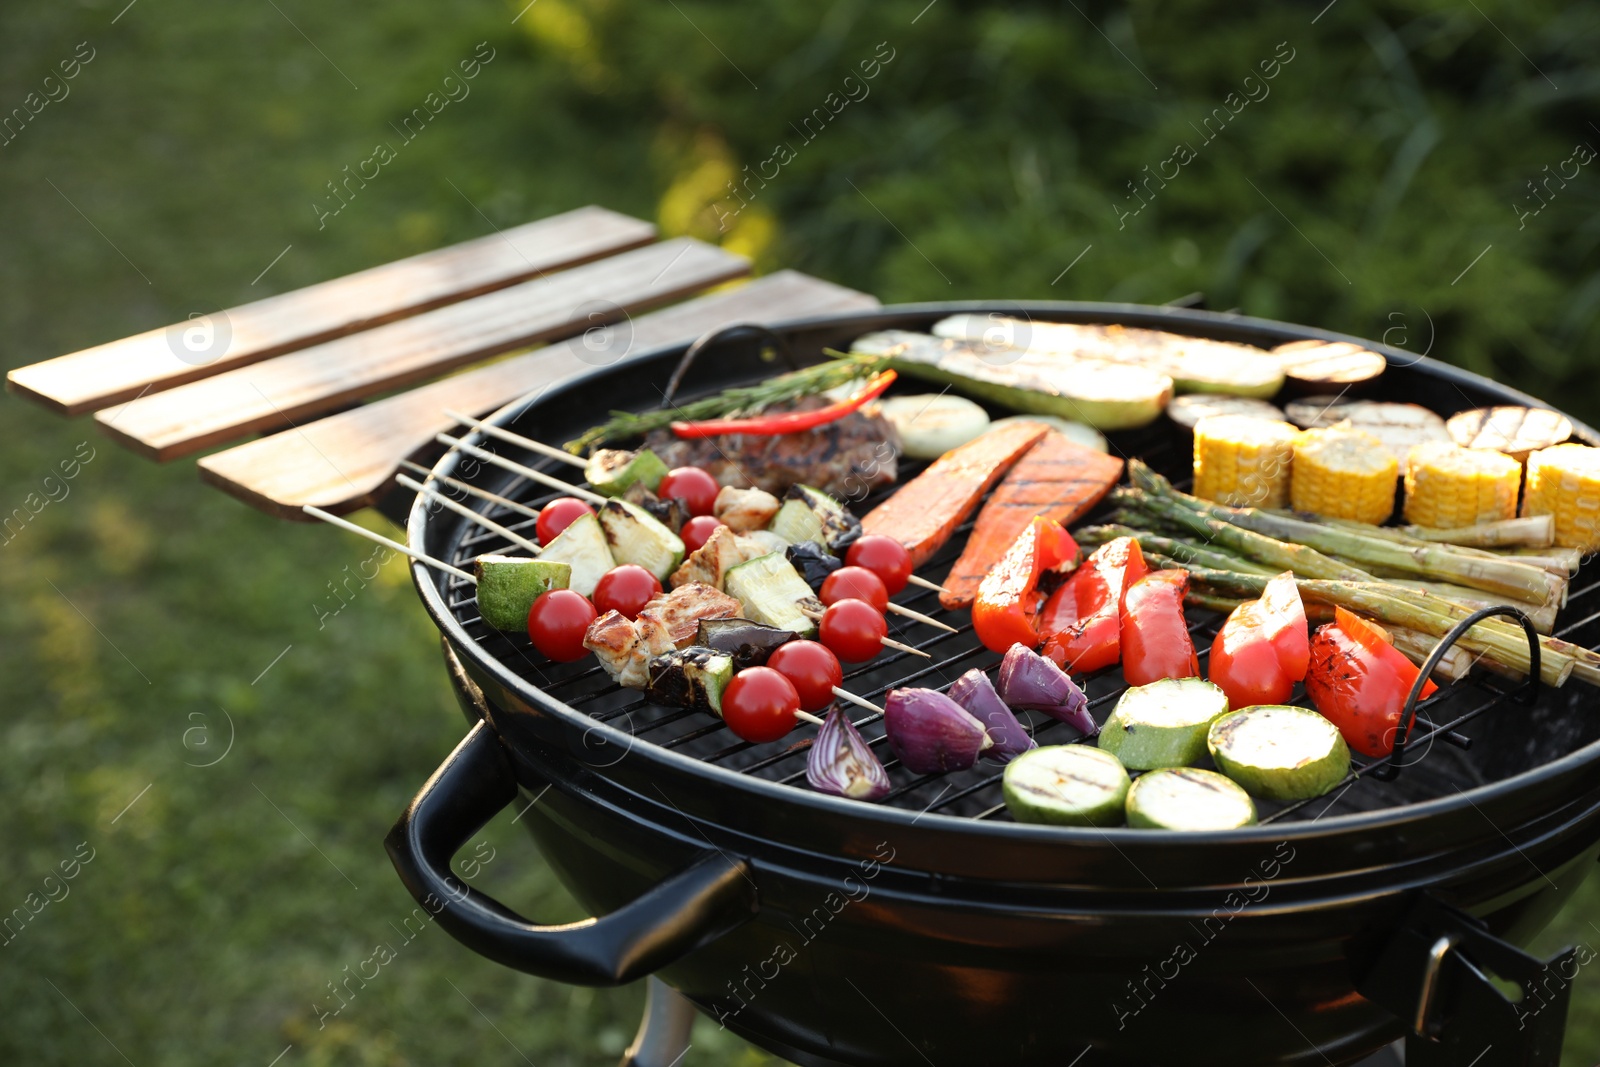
517, 468
405, 550
517, 439
484, 494
467, 513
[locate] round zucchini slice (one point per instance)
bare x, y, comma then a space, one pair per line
1068, 785
1187, 798
1279, 751
1163, 724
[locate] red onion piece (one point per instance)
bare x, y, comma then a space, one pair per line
1029, 680
930, 732
975, 692
841, 762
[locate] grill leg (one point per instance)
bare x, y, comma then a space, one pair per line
663, 1035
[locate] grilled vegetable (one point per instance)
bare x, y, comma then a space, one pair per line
558, 623
1029, 681
841, 762
1069, 785
1243, 461
690, 677
668, 511
810, 514
625, 589
1002, 615
813, 562
772, 592
1450, 486
635, 536
1057, 479
923, 513
1329, 362
1343, 473
932, 424
557, 515
1082, 621
1187, 798
1163, 724
749, 643
610, 471
1360, 681
1564, 481
760, 705
1279, 752
1106, 396
930, 732
974, 692
1400, 427
1516, 431
508, 586
1076, 432
789, 421
582, 546
1155, 638
743, 510
711, 562
1263, 648
1186, 411
812, 669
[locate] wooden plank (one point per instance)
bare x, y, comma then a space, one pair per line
161, 359
284, 391
344, 462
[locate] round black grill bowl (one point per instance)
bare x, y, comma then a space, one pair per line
932, 930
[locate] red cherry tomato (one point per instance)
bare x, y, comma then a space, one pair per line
759, 705
883, 556
812, 669
697, 489
558, 515
557, 622
626, 589
698, 530
855, 583
853, 629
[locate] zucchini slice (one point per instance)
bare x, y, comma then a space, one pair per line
1187, 798
508, 586
772, 592
582, 546
610, 471
690, 678
1068, 785
810, 514
636, 536
1163, 724
1279, 751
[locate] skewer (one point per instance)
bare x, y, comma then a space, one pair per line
517, 439
923, 583
362, 531
806, 716
467, 513
920, 617
886, 641
455, 483
517, 468
844, 694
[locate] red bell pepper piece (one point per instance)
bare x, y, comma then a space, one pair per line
1263, 648
1082, 621
789, 421
1008, 594
1359, 682
1155, 637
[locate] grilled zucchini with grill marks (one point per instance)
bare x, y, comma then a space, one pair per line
636, 536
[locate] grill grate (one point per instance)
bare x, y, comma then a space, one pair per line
1454, 715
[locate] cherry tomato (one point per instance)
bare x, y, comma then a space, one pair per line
855, 583
883, 556
697, 489
853, 629
812, 669
626, 589
558, 515
557, 622
698, 530
759, 705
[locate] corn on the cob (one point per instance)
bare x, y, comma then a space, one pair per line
1343, 473
1449, 486
1243, 461
1564, 481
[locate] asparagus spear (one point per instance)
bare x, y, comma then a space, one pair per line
1555, 559
1533, 531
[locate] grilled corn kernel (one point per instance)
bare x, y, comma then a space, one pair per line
1447, 486
1564, 481
1343, 473
1243, 461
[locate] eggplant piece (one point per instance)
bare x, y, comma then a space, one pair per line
813, 562
690, 677
749, 643
669, 512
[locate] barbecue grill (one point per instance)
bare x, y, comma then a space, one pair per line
932, 929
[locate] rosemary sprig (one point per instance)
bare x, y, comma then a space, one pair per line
739, 401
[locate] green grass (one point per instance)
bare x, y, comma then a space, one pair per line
138, 613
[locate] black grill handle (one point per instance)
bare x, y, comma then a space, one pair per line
705, 340
703, 901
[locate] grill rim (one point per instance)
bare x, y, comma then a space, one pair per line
1553, 774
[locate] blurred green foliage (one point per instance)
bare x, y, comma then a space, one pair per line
992, 151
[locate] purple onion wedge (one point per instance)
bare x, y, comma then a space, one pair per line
975, 692
1029, 680
841, 762
930, 732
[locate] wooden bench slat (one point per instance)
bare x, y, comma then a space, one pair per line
107, 374
281, 392
345, 462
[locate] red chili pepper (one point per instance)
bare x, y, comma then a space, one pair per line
1007, 596
1359, 682
1262, 650
789, 421
1082, 621
1155, 637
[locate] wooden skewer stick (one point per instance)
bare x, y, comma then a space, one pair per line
844, 694
925, 584
516, 439
467, 513
405, 550
517, 468
920, 617
888, 642
806, 716
483, 494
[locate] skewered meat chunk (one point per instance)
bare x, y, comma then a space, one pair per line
624, 649
743, 510
708, 563
679, 612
